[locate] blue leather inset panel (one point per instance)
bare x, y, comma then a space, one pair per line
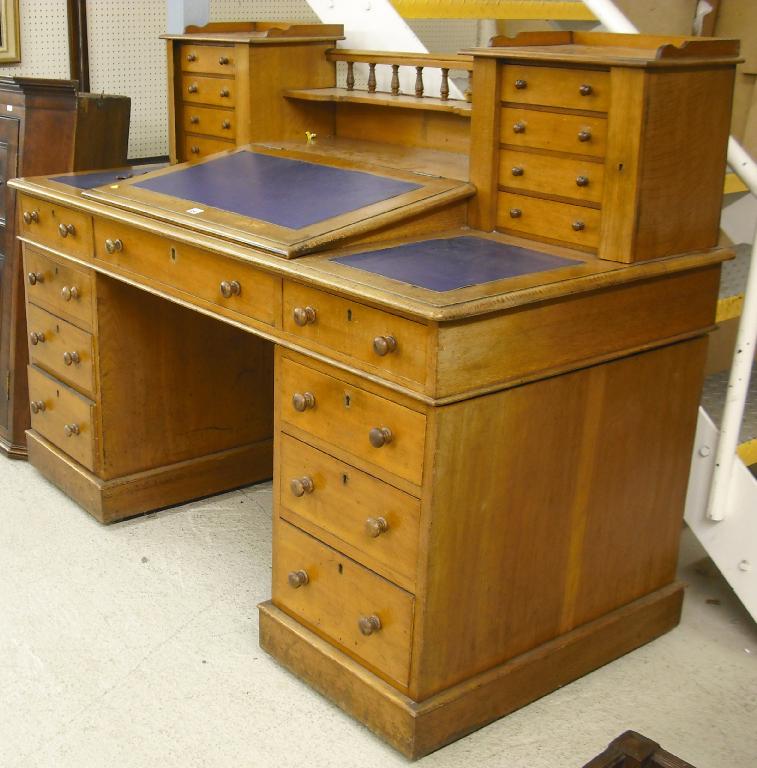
455, 262
96, 178
289, 193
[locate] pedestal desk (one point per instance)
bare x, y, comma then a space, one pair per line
479, 440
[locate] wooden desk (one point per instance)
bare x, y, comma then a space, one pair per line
479, 468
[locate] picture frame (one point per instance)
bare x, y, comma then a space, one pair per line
10, 38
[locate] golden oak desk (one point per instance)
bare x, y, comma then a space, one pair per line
477, 492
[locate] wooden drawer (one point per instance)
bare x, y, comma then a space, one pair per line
65, 417
345, 416
61, 348
351, 505
557, 87
196, 147
554, 131
338, 594
56, 226
358, 331
209, 121
216, 91
545, 218
546, 174
184, 267
64, 289
213, 59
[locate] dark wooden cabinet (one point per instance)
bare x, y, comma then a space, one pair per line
46, 126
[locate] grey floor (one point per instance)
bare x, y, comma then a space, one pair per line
135, 646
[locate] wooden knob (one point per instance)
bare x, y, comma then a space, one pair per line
71, 358
31, 216
299, 486
380, 436
515, 213
191, 57
194, 149
37, 337
584, 135
192, 88
226, 125
66, 229
582, 181
37, 406
224, 93
383, 345
194, 120
516, 170
375, 526
521, 84
68, 293
303, 400
35, 277
111, 246
298, 579
304, 315
71, 429
586, 90
230, 288
578, 226
369, 624
223, 60
519, 127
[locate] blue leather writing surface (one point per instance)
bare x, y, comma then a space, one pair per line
455, 262
289, 193
95, 179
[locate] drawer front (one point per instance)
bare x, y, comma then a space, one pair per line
348, 417
197, 272
56, 226
63, 416
557, 87
61, 348
61, 287
209, 121
376, 519
215, 91
545, 218
357, 330
213, 59
578, 179
554, 131
338, 594
196, 147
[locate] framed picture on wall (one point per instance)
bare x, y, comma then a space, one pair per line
10, 43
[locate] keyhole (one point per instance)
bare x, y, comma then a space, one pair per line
620, 166
347, 401
340, 568
173, 254
349, 314
345, 479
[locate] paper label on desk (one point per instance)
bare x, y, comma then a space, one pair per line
195, 210
9, 107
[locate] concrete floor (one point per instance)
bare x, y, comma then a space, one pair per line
136, 645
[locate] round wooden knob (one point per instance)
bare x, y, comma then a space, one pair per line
380, 436
303, 400
519, 127
37, 337
112, 246
191, 57
31, 216
194, 120
304, 315
586, 90
35, 277
37, 406
224, 93
582, 181
515, 213
578, 226
230, 288
375, 526
383, 345
521, 84
301, 485
71, 358
226, 125
192, 88
584, 135
298, 579
369, 624
223, 60
516, 170
194, 149
71, 429
66, 229
68, 293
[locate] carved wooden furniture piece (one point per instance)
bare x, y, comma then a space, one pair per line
46, 126
632, 750
479, 470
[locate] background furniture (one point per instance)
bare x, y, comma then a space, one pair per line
46, 126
